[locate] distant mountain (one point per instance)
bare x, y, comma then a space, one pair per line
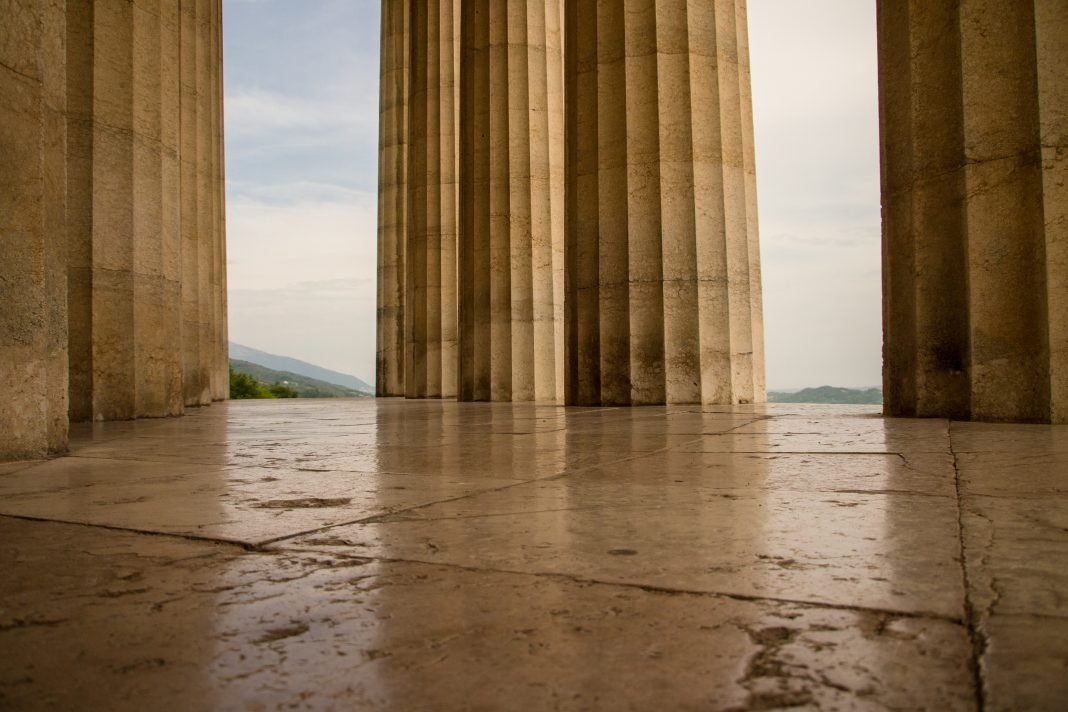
304, 386
829, 394
302, 368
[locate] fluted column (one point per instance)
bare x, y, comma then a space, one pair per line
430, 244
203, 278
663, 294
1051, 43
112, 341
220, 352
146, 272
33, 290
511, 195
153, 237
392, 199
972, 97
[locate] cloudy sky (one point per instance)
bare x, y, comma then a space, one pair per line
301, 151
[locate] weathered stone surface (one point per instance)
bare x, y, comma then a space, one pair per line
430, 336
972, 127
392, 198
112, 620
33, 289
113, 231
1014, 518
524, 555
653, 294
663, 300
512, 202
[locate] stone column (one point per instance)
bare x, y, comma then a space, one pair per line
663, 294
112, 337
33, 290
146, 274
200, 186
1051, 48
221, 355
511, 196
112, 269
203, 279
80, 71
430, 243
972, 97
392, 199
154, 228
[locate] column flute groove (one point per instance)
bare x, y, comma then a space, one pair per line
511, 193
392, 199
973, 256
663, 296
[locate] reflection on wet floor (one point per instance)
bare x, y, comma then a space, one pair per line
430, 554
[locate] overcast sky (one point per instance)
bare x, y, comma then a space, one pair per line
301, 151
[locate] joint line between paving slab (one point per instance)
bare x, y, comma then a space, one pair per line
255, 546
129, 530
650, 588
976, 635
378, 517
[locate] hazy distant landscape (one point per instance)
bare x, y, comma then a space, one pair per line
305, 386
311, 381
829, 394
306, 379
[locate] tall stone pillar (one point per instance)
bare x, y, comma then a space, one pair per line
146, 271
1051, 55
511, 196
663, 293
217, 167
203, 302
430, 242
392, 199
975, 212
33, 290
112, 258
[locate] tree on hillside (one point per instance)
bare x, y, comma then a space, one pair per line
282, 390
244, 386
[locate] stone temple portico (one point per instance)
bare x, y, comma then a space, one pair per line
567, 216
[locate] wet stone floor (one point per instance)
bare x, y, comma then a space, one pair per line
348, 554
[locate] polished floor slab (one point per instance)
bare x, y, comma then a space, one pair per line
436, 555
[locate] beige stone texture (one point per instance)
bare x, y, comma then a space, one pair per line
220, 338
971, 108
79, 62
443, 555
1051, 42
201, 193
33, 290
511, 196
145, 282
195, 379
922, 193
433, 208
390, 361
663, 296
96, 122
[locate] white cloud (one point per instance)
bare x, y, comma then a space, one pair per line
305, 240
257, 111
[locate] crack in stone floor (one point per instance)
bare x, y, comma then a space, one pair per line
431, 554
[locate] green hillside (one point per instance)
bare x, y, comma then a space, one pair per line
304, 386
829, 394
